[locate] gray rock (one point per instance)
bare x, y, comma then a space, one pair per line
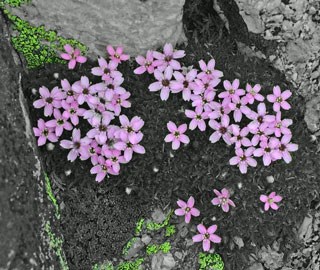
312, 115
238, 241
137, 25
178, 255
135, 248
256, 266
158, 216
146, 239
162, 261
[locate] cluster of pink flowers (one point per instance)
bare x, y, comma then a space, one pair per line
105, 144
267, 135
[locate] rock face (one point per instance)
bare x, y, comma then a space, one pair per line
137, 25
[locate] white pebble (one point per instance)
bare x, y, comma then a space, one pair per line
50, 146
56, 75
240, 185
34, 91
128, 190
270, 179
171, 154
213, 218
155, 169
67, 172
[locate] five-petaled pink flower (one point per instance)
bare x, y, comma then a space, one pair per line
186, 209
243, 159
167, 58
198, 116
163, 83
223, 199
279, 99
222, 129
232, 92
206, 236
253, 93
209, 71
283, 148
270, 201
117, 54
176, 135
59, 123
73, 56
148, 63
44, 132
184, 83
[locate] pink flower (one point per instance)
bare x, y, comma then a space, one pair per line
209, 71
219, 110
167, 58
176, 135
206, 236
164, 83
106, 70
198, 116
270, 201
49, 100
93, 152
259, 117
222, 129
129, 127
146, 64
184, 83
117, 54
72, 111
69, 93
85, 91
266, 151
114, 157
101, 169
204, 100
261, 133
99, 132
283, 148
186, 209
73, 56
205, 83
59, 123
279, 99
77, 145
239, 136
44, 132
243, 159
281, 126
223, 199
232, 92
239, 108
130, 146
112, 86
119, 100
253, 93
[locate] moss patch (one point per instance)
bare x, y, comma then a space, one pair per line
210, 262
51, 196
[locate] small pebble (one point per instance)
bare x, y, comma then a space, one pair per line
270, 179
240, 185
56, 75
178, 255
34, 91
50, 146
155, 169
128, 190
171, 154
67, 172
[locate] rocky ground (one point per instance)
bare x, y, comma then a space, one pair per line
98, 220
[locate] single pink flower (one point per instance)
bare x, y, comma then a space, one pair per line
73, 56
164, 83
205, 83
112, 86
266, 151
198, 116
184, 83
85, 92
222, 129
205, 100
280, 126
240, 136
117, 54
93, 152
70, 95
270, 201
239, 108
131, 145
72, 111
259, 117
114, 157
261, 133
243, 159
119, 100
223, 199
77, 145
168, 57
209, 71
59, 123
101, 169
106, 70
283, 148
129, 127
187, 209
233, 92
279, 99
44, 133
176, 135
148, 63
206, 236
49, 100
219, 110
253, 93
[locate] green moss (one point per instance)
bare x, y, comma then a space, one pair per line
38, 45
128, 246
16, 3
170, 230
135, 265
165, 247
104, 266
153, 249
139, 226
56, 245
210, 261
51, 196
152, 226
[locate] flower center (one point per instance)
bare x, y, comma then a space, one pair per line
252, 92
260, 119
104, 168
110, 86
85, 91
279, 99
119, 101
165, 83
223, 130
129, 145
106, 71
188, 209
224, 200
208, 72
102, 128
129, 129
239, 138
282, 147
198, 117
72, 111
168, 58
114, 159
206, 236
206, 85
278, 125
92, 150
238, 105
148, 64
267, 150
117, 56
70, 93
60, 122
176, 134
49, 100
243, 158
45, 132
270, 200
185, 84
260, 133
76, 145
231, 91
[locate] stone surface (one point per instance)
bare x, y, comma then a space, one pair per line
137, 25
135, 248
162, 261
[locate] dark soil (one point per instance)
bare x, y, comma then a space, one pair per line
98, 219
